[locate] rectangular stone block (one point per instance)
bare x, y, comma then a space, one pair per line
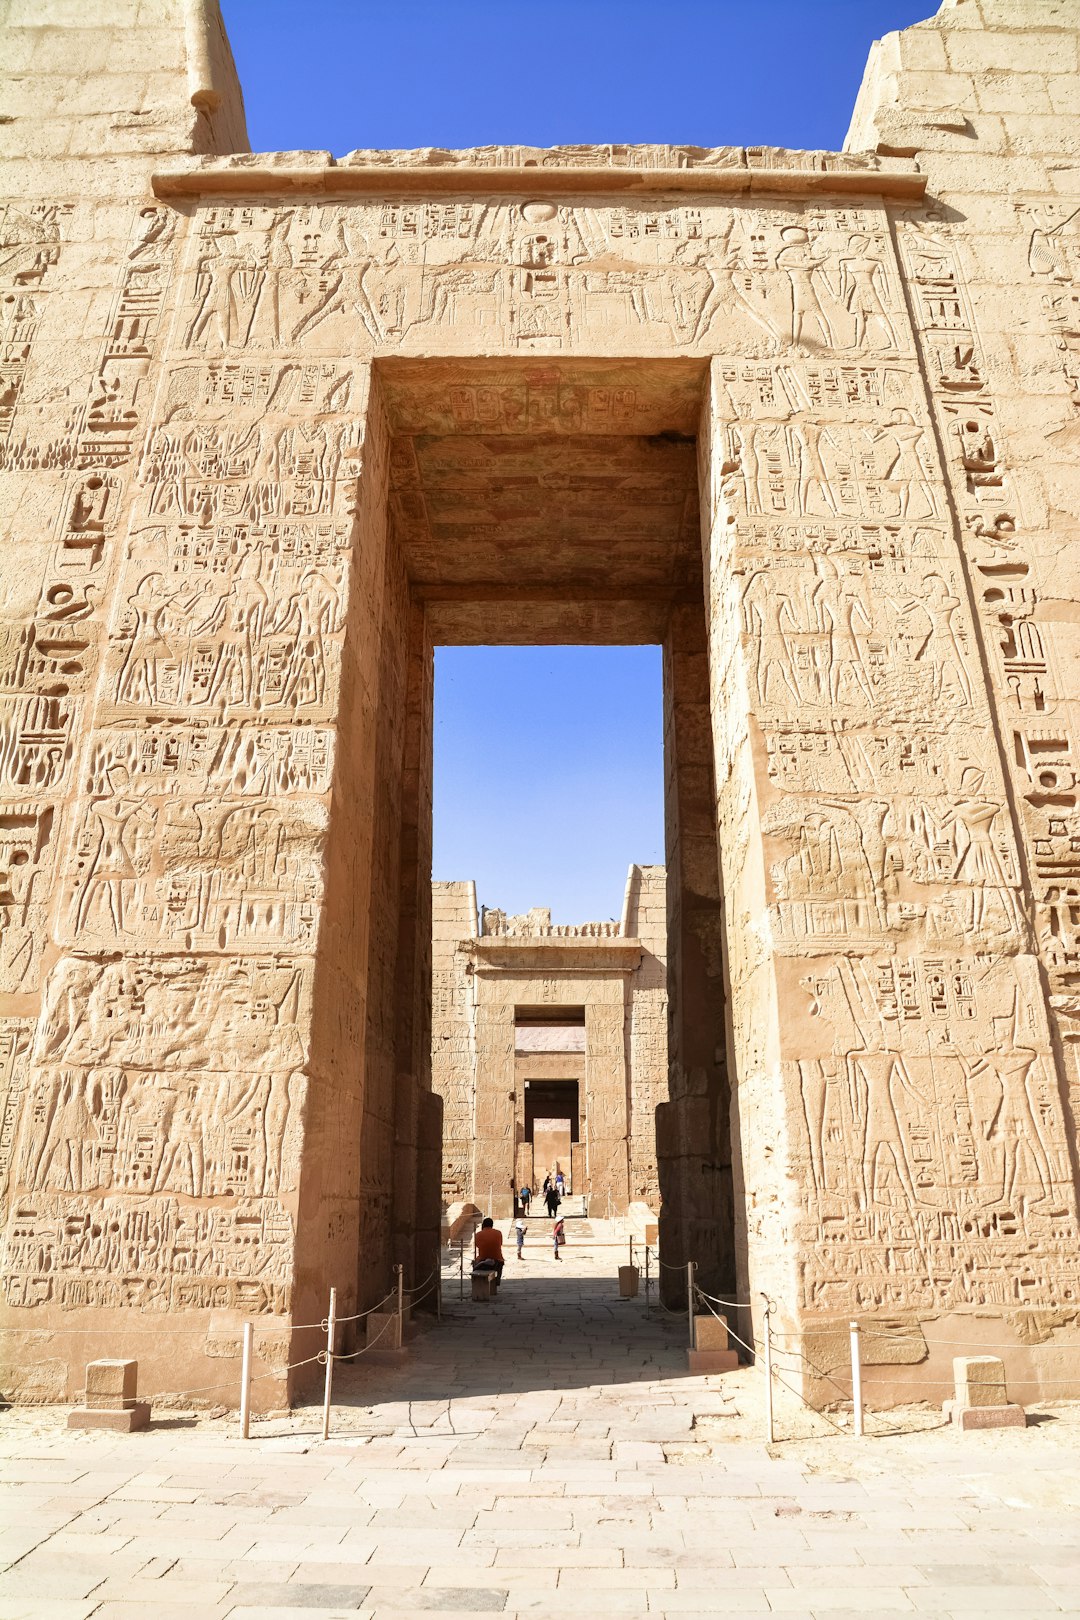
111, 1385
123, 1421
1009, 1416
628, 1282
383, 1331
980, 1381
712, 1361
483, 1285
710, 1333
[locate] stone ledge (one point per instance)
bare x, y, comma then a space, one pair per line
219, 176
523, 952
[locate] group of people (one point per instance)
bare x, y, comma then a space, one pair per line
553, 1190
488, 1244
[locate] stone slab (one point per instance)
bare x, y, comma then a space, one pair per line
1009, 1416
127, 1421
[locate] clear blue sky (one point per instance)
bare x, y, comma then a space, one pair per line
548, 761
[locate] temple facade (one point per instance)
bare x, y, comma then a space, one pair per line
272, 426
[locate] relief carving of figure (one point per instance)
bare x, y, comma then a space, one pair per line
802, 265
118, 857
862, 280
900, 464
842, 616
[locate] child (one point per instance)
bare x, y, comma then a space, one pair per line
519, 1233
559, 1237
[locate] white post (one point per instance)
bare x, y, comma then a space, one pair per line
646, 1279
768, 1378
400, 1304
690, 1302
245, 1381
331, 1324
856, 1379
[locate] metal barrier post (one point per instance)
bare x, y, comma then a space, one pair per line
461, 1268
245, 1381
690, 1302
400, 1304
646, 1279
768, 1377
856, 1379
331, 1323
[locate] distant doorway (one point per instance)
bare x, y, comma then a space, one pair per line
552, 1127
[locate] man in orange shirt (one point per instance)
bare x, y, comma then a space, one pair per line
487, 1244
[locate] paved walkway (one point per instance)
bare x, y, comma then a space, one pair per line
545, 1454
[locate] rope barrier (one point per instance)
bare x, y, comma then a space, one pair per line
429, 1278
735, 1304
325, 1323
351, 1355
161, 1333
919, 1336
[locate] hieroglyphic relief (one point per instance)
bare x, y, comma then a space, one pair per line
29, 247
539, 275
175, 1082
933, 1133
1035, 728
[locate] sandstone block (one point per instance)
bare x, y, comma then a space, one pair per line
111, 1385
628, 1282
712, 1361
710, 1333
383, 1331
133, 1417
980, 1381
1009, 1416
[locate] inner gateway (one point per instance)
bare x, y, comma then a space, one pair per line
557, 502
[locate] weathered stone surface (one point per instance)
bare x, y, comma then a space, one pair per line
271, 425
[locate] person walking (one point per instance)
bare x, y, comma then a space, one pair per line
552, 1200
558, 1237
525, 1199
519, 1234
560, 1183
547, 1186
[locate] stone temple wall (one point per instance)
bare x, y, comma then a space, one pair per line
488, 967
273, 425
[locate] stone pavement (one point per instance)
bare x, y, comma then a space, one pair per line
543, 1454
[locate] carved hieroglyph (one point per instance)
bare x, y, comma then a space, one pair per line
271, 426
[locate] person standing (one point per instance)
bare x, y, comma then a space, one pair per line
558, 1237
519, 1234
560, 1183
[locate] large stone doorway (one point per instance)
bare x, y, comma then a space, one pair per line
557, 502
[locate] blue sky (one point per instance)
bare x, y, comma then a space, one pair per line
548, 761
